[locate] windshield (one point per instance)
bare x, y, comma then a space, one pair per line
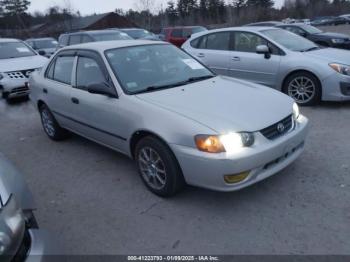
42, 44
289, 40
111, 36
136, 34
14, 50
311, 29
154, 67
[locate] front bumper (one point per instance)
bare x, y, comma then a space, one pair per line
15, 87
264, 159
335, 88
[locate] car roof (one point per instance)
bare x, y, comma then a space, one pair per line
106, 45
179, 27
40, 39
253, 29
5, 40
94, 32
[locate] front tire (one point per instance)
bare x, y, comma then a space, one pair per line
158, 167
50, 125
304, 88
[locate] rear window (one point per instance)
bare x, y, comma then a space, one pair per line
63, 40
74, 39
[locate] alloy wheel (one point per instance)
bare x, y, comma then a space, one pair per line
47, 123
152, 168
302, 89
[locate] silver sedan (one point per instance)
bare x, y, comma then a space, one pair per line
278, 59
180, 122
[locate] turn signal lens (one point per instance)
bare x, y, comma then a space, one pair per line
234, 179
210, 144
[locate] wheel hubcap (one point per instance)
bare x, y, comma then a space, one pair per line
47, 123
152, 168
302, 89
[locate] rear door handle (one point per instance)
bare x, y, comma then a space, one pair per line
236, 58
201, 55
75, 100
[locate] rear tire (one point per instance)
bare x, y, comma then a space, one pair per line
304, 88
158, 167
50, 125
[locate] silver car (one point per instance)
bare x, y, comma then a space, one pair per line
168, 112
20, 237
278, 59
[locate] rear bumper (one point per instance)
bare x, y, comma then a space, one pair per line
264, 159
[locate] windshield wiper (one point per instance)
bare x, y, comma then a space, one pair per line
311, 49
162, 87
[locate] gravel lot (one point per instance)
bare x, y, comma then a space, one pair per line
92, 199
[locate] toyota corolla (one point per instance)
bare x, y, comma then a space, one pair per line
180, 122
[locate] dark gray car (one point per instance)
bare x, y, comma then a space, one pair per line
20, 237
91, 36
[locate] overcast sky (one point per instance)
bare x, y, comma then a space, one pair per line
95, 6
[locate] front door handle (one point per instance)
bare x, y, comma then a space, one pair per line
44, 90
75, 100
200, 55
236, 58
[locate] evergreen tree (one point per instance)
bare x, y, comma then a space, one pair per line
14, 7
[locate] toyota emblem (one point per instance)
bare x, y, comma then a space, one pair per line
281, 127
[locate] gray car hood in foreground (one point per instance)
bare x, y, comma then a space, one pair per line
12, 182
22, 63
331, 55
225, 104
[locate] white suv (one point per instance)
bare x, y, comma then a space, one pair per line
17, 62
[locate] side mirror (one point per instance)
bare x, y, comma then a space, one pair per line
42, 52
263, 50
102, 89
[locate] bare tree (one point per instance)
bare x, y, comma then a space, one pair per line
146, 7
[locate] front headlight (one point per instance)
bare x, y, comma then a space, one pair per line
338, 40
340, 68
296, 111
230, 143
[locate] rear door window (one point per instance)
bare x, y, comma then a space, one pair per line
63, 69
218, 41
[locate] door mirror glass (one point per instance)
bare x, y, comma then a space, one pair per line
102, 89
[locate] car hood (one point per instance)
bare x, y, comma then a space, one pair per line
12, 183
225, 104
22, 63
332, 35
330, 55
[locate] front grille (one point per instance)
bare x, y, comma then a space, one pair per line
278, 129
20, 74
20, 89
